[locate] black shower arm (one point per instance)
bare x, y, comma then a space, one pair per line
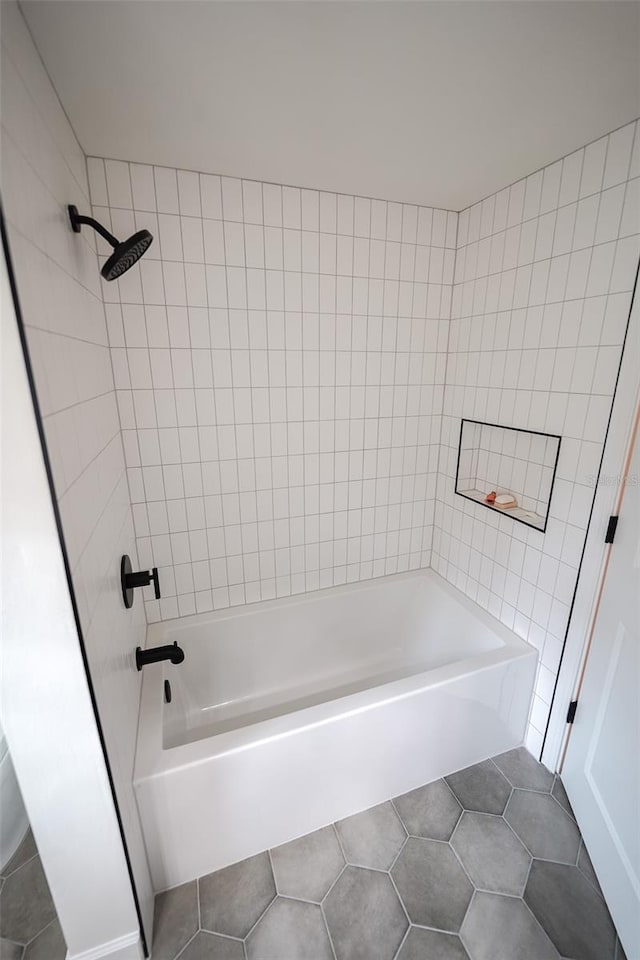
77, 218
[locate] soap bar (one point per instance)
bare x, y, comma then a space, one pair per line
490, 497
506, 501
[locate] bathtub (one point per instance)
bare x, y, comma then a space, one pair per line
289, 714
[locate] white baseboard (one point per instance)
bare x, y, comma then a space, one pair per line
128, 947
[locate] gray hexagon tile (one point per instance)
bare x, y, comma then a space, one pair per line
522, 770
584, 864
559, 792
175, 920
48, 945
290, 928
424, 944
434, 888
365, 918
543, 826
431, 811
373, 838
9, 950
481, 788
492, 855
233, 899
501, 928
572, 913
210, 946
307, 867
26, 906
26, 851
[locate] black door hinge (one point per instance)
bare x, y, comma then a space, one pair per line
611, 530
571, 712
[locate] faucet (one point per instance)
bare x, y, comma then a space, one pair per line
170, 651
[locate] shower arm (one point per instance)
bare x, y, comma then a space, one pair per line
77, 219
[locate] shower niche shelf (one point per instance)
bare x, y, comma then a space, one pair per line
508, 460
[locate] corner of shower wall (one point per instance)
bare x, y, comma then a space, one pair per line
544, 276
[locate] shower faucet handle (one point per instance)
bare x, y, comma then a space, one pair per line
130, 580
154, 580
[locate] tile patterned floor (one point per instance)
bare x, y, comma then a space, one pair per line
29, 928
487, 864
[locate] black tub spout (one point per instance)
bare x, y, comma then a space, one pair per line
171, 651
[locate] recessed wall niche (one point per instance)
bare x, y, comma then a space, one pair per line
508, 460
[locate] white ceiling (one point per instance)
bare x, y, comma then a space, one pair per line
438, 103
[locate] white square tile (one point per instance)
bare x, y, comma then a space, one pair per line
252, 201
231, 198
166, 188
211, 197
189, 193
618, 156
118, 184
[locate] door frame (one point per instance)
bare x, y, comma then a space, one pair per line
592, 565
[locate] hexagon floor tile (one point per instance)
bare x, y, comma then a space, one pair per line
571, 911
26, 907
29, 928
521, 770
175, 920
364, 916
491, 854
48, 945
458, 855
372, 838
559, 792
307, 867
233, 899
290, 928
584, 864
210, 946
481, 788
543, 826
424, 944
434, 888
431, 812
502, 928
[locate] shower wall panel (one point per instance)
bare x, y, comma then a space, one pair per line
279, 360
545, 271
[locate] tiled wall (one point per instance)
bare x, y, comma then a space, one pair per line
43, 169
279, 360
544, 274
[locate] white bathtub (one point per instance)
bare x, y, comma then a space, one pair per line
290, 714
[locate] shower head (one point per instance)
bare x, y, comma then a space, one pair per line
125, 253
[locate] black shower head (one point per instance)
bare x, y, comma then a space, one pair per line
124, 254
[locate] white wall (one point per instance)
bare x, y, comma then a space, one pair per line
47, 713
279, 362
544, 275
44, 169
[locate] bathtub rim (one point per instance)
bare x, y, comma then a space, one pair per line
154, 760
